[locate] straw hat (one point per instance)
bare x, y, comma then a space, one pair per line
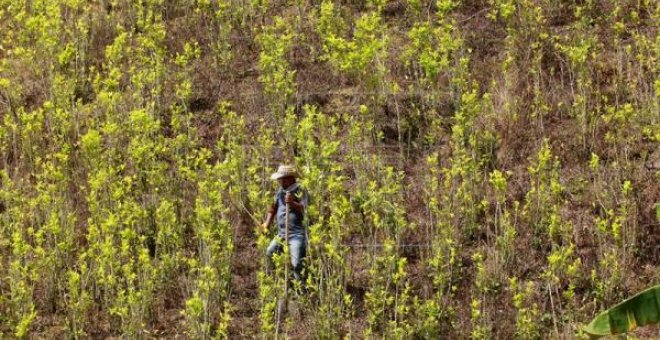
284, 171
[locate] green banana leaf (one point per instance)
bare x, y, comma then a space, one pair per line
639, 310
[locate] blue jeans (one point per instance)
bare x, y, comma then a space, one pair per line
297, 249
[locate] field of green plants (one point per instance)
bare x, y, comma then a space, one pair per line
477, 169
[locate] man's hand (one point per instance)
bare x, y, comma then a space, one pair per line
293, 202
264, 228
288, 198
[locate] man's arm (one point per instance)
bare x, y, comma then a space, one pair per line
299, 207
269, 219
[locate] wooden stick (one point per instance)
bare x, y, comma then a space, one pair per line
286, 247
282, 304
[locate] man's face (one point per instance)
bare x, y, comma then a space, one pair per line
286, 182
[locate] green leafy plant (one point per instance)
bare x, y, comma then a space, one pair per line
277, 76
639, 310
528, 314
361, 57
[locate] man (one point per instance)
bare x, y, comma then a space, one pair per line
297, 198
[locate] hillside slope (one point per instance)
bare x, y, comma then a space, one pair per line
478, 169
